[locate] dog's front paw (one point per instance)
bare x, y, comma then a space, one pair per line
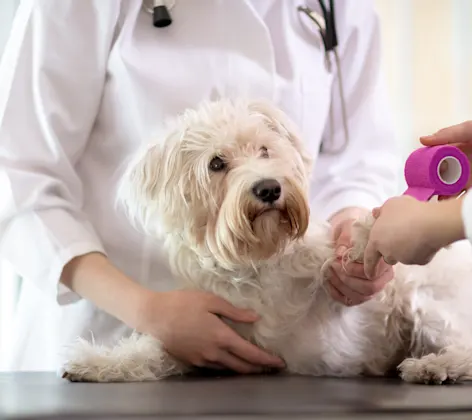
86, 363
360, 237
79, 374
427, 370
134, 359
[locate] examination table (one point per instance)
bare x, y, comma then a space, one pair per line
45, 396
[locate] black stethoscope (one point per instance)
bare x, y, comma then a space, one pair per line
326, 24
327, 27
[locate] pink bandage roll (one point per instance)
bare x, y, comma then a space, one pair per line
438, 170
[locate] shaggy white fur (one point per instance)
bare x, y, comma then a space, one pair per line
199, 190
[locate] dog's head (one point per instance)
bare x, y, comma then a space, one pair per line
230, 179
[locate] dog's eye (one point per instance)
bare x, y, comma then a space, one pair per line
217, 164
264, 152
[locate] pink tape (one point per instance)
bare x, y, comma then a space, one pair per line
424, 177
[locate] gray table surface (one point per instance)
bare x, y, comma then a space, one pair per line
45, 396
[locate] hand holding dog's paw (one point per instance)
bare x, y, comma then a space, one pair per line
189, 326
348, 283
406, 231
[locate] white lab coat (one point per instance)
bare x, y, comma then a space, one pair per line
84, 82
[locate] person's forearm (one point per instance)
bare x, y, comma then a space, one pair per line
94, 277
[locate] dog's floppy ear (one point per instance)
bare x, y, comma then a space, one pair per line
278, 121
151, 188
140, 185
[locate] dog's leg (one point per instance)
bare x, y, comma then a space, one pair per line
440, 341
360, 237
450, 365
137, 358
316, 254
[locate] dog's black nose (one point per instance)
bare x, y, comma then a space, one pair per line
267, 190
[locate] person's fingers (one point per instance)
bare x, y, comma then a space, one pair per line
344, 239
354, 276
447, 197
363, 287
222, 307
354, 269
427, 259
376, 212
389, 260
235, 364
382, 267
214, 366
340, 229
459, 133
342, 233
454, 196
350, 269
249, 352
381, 282
443, 168
350, 296
336, 294
371, 259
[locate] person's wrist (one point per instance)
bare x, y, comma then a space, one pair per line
148, 306
445, 222
133, 311
95, 278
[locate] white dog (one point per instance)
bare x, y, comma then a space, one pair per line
227, 188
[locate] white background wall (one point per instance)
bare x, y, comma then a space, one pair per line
427, 61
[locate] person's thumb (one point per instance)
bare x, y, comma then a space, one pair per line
459, 133
376, 212
371, 259
343, 241
222, 307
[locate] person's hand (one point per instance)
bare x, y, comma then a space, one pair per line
459, 135
399, 234
411, 232
455, 134
189, 326
348, 283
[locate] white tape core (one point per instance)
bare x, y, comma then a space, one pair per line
449, 170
